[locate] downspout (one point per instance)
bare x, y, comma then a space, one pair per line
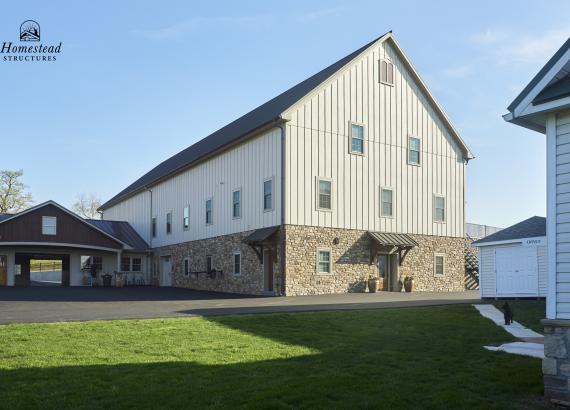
282, 229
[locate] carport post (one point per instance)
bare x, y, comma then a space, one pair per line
119, 261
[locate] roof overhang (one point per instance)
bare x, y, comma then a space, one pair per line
480, 244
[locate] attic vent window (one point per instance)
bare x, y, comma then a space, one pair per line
386, 72
49, 225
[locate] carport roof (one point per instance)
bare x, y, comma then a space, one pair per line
121, 230
529, 228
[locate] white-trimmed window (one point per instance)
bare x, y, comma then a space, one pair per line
186, 218
136, 264
439, 208
324, 261
125, 264
209, 263
169, 223
49, 225
268, 194
414, 150
153, 226
324, 194
209, 212
237, 263
186, 266
356, 138
236, 204
386, 72
439, 264
387, 202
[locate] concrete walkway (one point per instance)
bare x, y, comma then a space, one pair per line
19, 305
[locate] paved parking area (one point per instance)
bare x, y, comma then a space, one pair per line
56, 304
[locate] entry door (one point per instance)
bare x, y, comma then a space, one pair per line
166, 272
3, 270
384, 269
268, 270
516, 270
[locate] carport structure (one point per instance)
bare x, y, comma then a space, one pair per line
50, 231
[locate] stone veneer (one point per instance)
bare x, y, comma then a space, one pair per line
351, 261
221, 248
556, 362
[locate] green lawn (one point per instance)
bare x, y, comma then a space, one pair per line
390, 358
527, 312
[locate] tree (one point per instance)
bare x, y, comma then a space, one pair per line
13, 194
86, 206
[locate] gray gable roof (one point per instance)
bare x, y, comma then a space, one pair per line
554, 91
4, 216
529, 228
253, 120
123, 231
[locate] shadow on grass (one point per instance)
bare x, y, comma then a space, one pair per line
412, 358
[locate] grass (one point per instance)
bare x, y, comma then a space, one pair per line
527, 312
37, 265
391, 358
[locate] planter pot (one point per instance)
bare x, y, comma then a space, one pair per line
408, 285
372, 285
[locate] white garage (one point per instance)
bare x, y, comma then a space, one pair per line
512, 262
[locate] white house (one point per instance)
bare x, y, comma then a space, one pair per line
544, 106
513, 261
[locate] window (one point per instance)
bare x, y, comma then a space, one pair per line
209, 212
386, 72
186, 218
186, 266
153, 226
324, 194
387, 202
268, 195
439, 264
236, 204
237, 263
356, 138
208, 263
49, 225
439, 208
414, 149
125, 264
137, 265
324, 261
169, 223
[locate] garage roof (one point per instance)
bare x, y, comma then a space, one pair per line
529, 228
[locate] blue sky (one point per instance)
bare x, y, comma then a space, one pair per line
136, 84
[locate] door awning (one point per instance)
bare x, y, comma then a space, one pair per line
260, 238
390, 242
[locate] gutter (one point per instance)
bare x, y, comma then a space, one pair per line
283, 202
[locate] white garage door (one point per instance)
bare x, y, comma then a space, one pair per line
517, 270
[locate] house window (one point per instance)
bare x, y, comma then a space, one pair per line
414, 149
237, 263
386, 72
439, 208
97, 262
49, 225
186, 266
208, 263
268, 195
356, 138
125, 264
209, 212
387, 200
186, 218
137, 265
236, 203
153, 226
324, 261
324, 194
169, 223
439, 265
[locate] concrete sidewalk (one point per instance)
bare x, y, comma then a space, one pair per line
21, 305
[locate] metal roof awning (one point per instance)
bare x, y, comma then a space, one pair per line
382, 242
261, 238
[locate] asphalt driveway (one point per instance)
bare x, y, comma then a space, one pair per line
56, 304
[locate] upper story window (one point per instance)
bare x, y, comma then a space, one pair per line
356, 138
169, 223
186, 218
237, 263
439, 208
386, 72
49, 225
268, 195
387, 202
324, 194
153, 226
414, 150
439, 264
209, 212
236, 204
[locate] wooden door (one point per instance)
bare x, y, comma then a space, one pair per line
3, 270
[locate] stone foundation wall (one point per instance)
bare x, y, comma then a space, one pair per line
351, 261
556, 362
221, 248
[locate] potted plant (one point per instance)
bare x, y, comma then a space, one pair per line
408, 283
373, 284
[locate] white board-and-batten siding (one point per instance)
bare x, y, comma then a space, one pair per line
317, 145
245, 166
